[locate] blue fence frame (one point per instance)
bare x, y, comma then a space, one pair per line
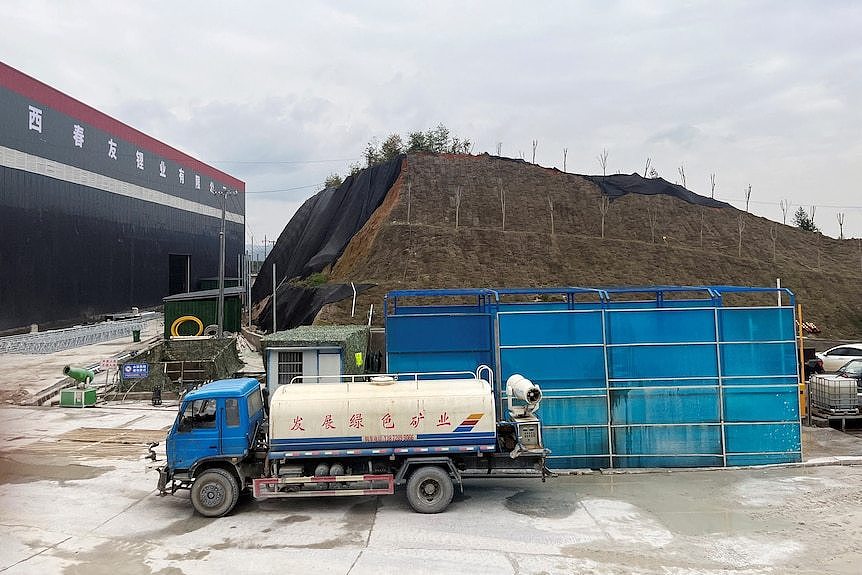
659, 382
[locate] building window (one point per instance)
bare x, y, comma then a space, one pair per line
289, 365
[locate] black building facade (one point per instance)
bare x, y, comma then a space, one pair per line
97, 217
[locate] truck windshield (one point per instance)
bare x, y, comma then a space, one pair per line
199, 414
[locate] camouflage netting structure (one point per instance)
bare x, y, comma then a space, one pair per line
351, 339
201, 359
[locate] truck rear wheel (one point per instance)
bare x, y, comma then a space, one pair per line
214, 493
430, 490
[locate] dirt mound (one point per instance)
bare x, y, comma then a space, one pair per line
483, 221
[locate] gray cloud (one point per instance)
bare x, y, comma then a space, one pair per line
683, 136
760, 93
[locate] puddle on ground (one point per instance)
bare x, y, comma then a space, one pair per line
190, 555
539, 505
356, 524
360, 517
179, 527
12, 472
106, 558
358, 521
293, 519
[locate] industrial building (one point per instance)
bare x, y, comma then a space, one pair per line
98, 217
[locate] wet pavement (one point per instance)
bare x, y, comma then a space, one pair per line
72, 501
76, 497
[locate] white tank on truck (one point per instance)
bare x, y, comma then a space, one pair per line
421, 416
360, 435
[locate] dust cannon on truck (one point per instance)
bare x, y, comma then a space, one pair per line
358, 435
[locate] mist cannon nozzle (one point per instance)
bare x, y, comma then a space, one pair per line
520, 388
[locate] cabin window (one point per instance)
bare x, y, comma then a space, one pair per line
289, 366
254, 403
231, 412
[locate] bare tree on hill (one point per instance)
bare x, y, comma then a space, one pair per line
565, 153
712, 186
747, 196
551, 208
681, 170
502, 202
409, 233
784, 207
652, 214
409, 183
457, 205
604, 206
535, 145
603, 161
646, 166
819, 236
741, 226
499, 148
841, 225
773, 233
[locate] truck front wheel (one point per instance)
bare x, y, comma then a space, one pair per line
430, 490
214, 493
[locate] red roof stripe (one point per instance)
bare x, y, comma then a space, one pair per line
40, 92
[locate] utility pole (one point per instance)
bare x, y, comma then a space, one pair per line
252, 251
224, 193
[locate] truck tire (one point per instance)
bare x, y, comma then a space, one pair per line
214, 493
430, 490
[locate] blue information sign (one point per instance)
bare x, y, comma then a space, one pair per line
136, 370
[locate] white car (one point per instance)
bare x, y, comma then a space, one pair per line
837, 356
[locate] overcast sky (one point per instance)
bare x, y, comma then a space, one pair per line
281, 94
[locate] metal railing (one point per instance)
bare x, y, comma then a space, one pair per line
72, 337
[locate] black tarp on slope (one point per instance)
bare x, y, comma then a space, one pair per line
296, 305
618, 185
320, 229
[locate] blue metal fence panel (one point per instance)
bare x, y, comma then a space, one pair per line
644, 383
550, 328
565, 351
664, 406
661, 326
761, 394
440, 342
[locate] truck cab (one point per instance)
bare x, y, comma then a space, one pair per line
216, 427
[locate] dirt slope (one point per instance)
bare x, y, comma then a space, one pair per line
412, 241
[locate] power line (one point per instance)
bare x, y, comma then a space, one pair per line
284, 189
244, 162
791, 202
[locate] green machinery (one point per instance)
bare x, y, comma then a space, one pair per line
82, 395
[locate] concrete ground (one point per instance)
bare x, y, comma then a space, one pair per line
75, 498
24, 375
